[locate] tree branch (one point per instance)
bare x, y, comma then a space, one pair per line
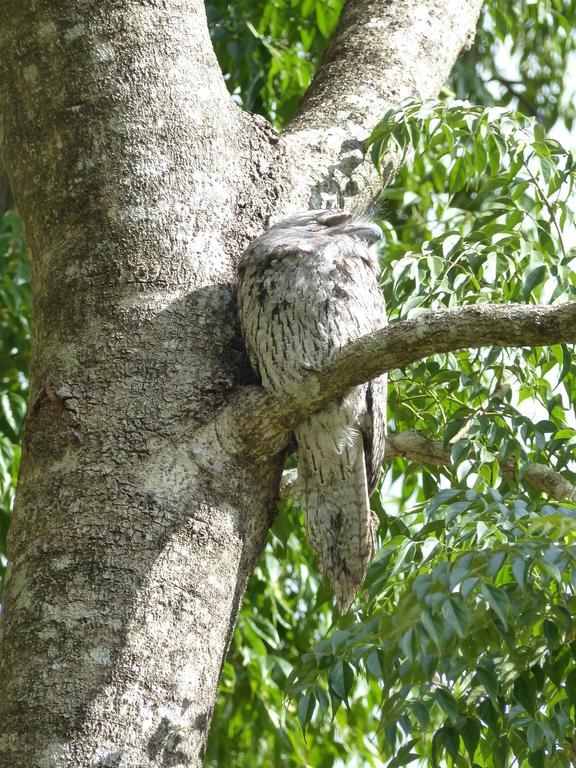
382, 51
257, 424
530, 108
416, 447
371, 60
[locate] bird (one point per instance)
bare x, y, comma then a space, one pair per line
307, 287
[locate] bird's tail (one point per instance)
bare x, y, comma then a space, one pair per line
338, 517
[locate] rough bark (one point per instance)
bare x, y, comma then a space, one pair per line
380, 53
139, 183
123, 587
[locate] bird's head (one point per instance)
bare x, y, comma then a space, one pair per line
311, 232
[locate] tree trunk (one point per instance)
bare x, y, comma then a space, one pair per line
139, 183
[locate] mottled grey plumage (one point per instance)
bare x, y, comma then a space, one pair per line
307, 287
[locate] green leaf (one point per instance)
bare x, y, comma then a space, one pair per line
533, 277
498, 601
322, 20
456, 615
525, 689
445, 738
428, 624
306, 707
495, 563
470, 732
488, 714
501, 750
458, 176
519, 570
341, 679
451, 742
422, 714
404, 755
489, 681
374, 664
447, 702
537, 759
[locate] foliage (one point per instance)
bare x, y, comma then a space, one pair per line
479, 210
14, 355
268, 50
462, 652
523, 55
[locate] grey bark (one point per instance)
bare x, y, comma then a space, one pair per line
139, 183
416, 447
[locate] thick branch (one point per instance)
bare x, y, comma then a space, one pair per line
258, 423
416, 447
382, 52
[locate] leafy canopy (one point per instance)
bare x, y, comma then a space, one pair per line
14, 359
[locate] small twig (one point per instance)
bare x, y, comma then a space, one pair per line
532, 110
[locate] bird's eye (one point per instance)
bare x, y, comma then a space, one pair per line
334, 219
